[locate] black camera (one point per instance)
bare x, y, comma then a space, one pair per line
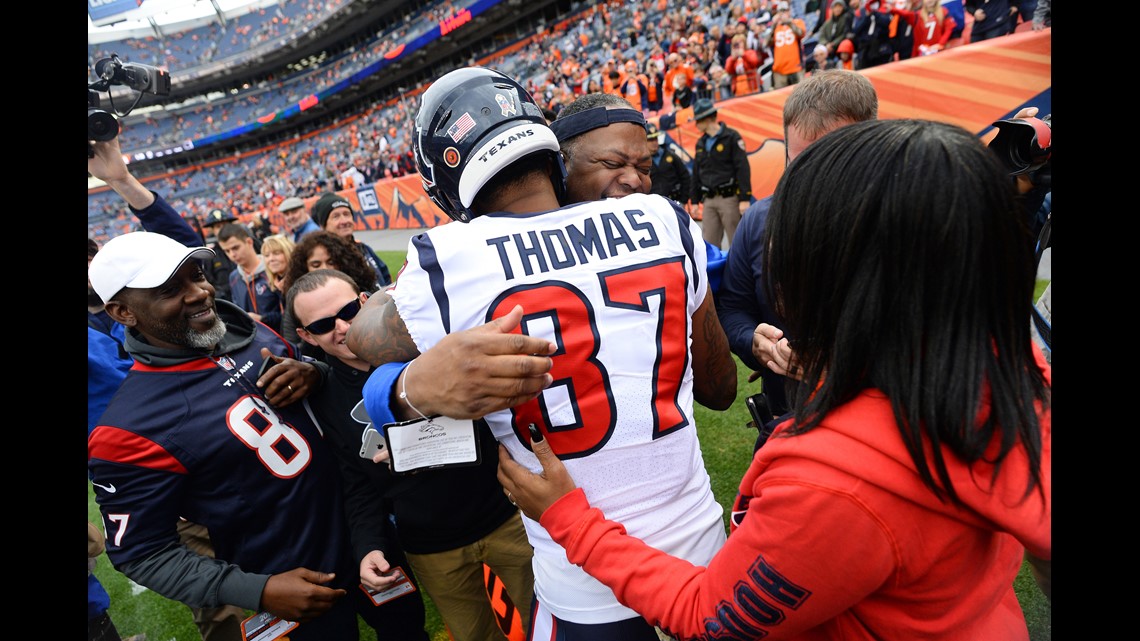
102, 125
139, 77
1023, 144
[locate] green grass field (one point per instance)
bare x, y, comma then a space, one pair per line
727, 446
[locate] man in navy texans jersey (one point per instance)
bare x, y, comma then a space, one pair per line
196, 432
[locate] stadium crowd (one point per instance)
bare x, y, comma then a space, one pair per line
652, 41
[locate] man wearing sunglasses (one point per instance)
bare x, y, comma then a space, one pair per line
324, 302
450, 521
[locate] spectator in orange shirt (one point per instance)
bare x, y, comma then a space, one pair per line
635, 87
655, 82
612, 77
846, 52
741, 66
787, 50
677, 68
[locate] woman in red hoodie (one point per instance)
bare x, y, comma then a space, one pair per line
899, 498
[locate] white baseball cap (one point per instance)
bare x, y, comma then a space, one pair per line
139, 259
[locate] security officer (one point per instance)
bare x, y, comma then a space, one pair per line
218, 268
668, 176
722, 178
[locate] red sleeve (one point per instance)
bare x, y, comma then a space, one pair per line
774, 578
909, 16
948, 24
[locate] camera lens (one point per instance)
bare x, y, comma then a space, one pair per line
101, 126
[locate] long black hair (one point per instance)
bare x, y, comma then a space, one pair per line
898, 259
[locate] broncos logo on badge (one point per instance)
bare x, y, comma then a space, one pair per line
505, 105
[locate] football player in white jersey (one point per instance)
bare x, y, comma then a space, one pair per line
618, 286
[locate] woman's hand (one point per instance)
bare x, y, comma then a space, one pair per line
531, 492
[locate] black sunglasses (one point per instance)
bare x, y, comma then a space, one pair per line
328, 324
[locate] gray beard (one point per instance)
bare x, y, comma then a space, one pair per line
207, 339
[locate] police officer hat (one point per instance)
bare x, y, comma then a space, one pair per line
217, 217
653, 133
703, 108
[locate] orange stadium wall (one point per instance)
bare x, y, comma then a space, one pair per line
970, 86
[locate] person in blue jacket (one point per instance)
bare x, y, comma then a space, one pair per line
824, 101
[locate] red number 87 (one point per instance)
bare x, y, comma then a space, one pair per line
577, 370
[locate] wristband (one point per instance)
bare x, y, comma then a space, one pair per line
404, 390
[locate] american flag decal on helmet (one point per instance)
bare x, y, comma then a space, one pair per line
460, 128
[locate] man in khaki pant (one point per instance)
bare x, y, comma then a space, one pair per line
214, 624
722, 178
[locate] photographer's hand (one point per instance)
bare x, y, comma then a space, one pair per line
108, 165
1027, 112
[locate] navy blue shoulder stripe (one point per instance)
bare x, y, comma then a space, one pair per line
687, 239
429, 261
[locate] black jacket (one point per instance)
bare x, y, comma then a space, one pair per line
724, 163
872, 40
669, 175
435, 510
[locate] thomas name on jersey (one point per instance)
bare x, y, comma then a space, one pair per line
554, 249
